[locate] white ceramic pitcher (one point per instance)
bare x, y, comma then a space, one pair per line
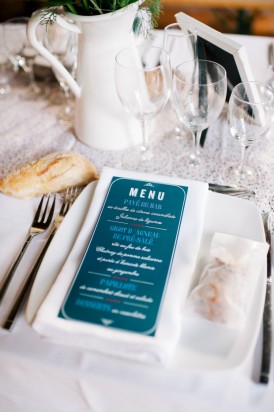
100, 119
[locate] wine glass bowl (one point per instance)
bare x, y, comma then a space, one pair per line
250, 116
181, 45
199, 92
62, 44
143, 83
21, 53
6, 67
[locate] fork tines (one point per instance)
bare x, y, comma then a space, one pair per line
70, 195
47, 215
38, 226
41, 223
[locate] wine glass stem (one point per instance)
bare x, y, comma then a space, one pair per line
66, 91
29, 71
196, 144
243, 151
144, 135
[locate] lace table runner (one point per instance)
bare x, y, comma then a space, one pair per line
30, 128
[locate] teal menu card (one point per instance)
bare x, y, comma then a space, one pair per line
123, 275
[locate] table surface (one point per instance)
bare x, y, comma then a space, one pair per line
31, 128
35, 377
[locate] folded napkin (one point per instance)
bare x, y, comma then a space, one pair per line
151, 349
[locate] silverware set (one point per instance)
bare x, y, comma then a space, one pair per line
43, 220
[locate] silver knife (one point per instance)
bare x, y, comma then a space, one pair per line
267, 315
230, 190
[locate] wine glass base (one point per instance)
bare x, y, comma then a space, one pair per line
247, 176
65, 115
154, 159
4, 89
175, 134
176, 141
188, 166
29, 92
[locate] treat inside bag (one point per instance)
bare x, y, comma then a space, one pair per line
227, 283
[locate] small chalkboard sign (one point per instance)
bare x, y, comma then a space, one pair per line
218, 47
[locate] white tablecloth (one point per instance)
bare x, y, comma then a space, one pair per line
37, 376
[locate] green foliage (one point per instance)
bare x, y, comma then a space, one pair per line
144, 22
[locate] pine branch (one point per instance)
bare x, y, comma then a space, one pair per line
143, 23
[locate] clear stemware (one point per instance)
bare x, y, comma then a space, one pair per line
143, 83
199, 88
250, 116
63, 44
6, 67
181, 45
21, 53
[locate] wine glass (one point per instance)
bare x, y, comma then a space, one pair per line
21, 53
143, 83
250, 116
180, 43
6, 68
199, 88
63, 44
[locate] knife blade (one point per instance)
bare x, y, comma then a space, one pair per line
230, 190
267, 314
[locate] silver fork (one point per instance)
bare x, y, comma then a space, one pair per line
69, 197
41, 222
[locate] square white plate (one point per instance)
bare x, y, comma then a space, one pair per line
203, 346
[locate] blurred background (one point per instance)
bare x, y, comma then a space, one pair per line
228, 16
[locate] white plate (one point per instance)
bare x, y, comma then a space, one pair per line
224, 214
204, 345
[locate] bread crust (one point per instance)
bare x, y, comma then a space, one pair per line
52, 173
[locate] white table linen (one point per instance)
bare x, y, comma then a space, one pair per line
41, 376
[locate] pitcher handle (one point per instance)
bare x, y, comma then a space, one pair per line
34, 21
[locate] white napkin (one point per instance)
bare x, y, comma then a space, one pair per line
16, 216
160, 347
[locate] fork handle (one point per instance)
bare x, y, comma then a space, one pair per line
27, 285
12, 270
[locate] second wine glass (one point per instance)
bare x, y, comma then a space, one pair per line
21, 53
200, 88
181, 45
250, 116
62, 44
143, 83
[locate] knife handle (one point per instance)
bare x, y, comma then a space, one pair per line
267, 335
8, 322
